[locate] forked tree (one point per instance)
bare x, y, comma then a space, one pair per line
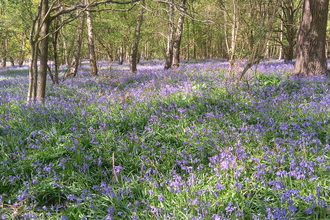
172, 57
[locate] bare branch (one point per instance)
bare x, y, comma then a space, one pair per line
65, 9
113, 9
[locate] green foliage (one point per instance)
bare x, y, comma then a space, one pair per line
68, 149
268, 79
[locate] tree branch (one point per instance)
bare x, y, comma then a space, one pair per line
70, 8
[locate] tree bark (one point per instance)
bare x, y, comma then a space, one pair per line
77, 47
12, 61
55, 46
121, 54
22, 51
234, 33
136, 40
169, 49
91, 45
288, 29
311, 58
178, 35
39, 42
41, 91
4, 51
33, 71
65, 54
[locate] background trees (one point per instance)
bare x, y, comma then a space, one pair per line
165, 29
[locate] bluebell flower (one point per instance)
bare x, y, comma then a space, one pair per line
161, 198
309, 210
71, 197
292, 208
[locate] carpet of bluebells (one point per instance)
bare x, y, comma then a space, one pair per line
186, 143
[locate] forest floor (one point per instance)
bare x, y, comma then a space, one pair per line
185, 143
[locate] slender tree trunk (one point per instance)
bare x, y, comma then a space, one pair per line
225, 30
91, 45
55, 44
281, 36
33, 67
291, 37
22, 53
267, 50
169, 49
135, 44
121, 54
4, 51
77, 47
66, 60
188, 43
41, 91
33, 71
311, 59
12, 61
288, 28
234, 34
39, 42
178, 35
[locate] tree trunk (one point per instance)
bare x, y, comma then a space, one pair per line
66, 57
135, 44
33, 71
41, 91
121, 54
290, 9
4, 51
22, 51
12, 61
234, 34
91, 45
77, 48
178, 35
55, 45
39, 35
311, 58
33, 67
290, 37
281, 36
169, 49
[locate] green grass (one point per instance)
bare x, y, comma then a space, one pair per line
212, 151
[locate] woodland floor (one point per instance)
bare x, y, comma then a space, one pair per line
186, 143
